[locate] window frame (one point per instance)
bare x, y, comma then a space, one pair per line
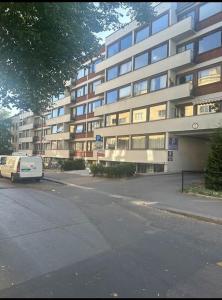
156, 47
206, 35
154, 105
153, 134
156, 76
157, 18
139, 108
201, 5
137, 135
139, 54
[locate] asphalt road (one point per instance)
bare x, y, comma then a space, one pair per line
71, 241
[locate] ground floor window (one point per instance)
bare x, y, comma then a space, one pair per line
149, 168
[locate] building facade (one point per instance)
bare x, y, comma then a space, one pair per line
152, 97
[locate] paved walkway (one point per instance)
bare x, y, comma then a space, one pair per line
161, 191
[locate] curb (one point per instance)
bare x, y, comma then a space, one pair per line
54, 180
193, 216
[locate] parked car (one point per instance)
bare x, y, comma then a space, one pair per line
22, 167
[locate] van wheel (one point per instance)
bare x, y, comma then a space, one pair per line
13, 180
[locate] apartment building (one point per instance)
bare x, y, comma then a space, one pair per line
162, 89
153, 96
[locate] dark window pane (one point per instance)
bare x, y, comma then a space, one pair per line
209, 9
210, 42
158, 83
141, 60
126, 42
160, 24
142, 34
112, 73
111, 96
125, 67
113, 49
140, 88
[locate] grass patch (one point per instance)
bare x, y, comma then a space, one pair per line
201, 190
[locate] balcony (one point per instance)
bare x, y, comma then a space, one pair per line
82, 154
174, 62
137, 156
177, 125
61, 119
58, 136
64, 101
26, 127
182, 91
57, 153
177, 31
28, 139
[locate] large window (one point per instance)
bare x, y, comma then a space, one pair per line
140, 88
141, 60
159, 53
125, 67
82, 91
112, 73
126, 42
157, 112
207, 108
92, 85
111, 120
111, 96
209, 9
142, 34
81, 73
55, 113
210, 75
92, 125
156, 141
113, 49
125, 92
79, 128
158, 83
110, 143
184, 47
93, 105
186, 15
139, 115
185, 78
210, 41
79, 146
80, 110
160, 24
57, 128
123, 143
61, 111
124, 118
54, 129
139, 142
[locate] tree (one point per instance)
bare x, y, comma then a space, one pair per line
5, 134
43, 44
213, 180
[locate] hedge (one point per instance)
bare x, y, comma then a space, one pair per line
70, 164
117, 171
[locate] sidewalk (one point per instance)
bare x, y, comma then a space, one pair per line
164, 191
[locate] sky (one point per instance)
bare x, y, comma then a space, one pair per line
103, 35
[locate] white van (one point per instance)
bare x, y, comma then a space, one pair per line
22, 167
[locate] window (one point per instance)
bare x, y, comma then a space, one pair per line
61, 111
92, 65
141, 60
125, 92
55, 113
209, 9
81, 73
60, 145
92, 86
188, 110
158, 83
113, 49
207, 108
140, 115
124, 118
110, 143
54, 145
140, 88
60, 128
111, 120
111, 96
80, 110
159, 53
142, 34
186, 15
79, 128
139, 142
209, 76
93, 105
209, 42
126, 42
82, 91
160, 24
125, 67
123, 143
91, 145
156, 141
185, 78
93, 125
157, 112
185, 47
112, 73
79, 146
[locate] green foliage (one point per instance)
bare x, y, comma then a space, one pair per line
5, 134
43, 44
116, 171
213, 177
70, 164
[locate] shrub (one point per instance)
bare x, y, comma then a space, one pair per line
116, 171
213, 177
70, 164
